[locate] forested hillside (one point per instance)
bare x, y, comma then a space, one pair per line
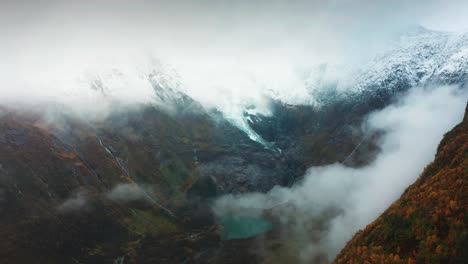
428, 224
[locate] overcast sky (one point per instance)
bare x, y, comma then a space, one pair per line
230, 29
446, 15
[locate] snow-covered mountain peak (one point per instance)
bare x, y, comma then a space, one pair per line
417, 57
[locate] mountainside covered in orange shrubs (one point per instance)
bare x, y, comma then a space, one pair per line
428, 224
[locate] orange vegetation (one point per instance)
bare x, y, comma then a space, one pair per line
428, 224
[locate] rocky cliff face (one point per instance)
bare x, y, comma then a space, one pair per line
428, 223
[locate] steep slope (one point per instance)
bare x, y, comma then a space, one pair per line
135, 185
428, 224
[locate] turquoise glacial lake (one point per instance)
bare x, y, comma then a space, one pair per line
236, 227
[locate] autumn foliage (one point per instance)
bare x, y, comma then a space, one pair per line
428, 224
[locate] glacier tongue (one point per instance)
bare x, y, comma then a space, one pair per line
242, 122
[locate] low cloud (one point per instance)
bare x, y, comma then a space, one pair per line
76, 202
127, 192
319, 214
